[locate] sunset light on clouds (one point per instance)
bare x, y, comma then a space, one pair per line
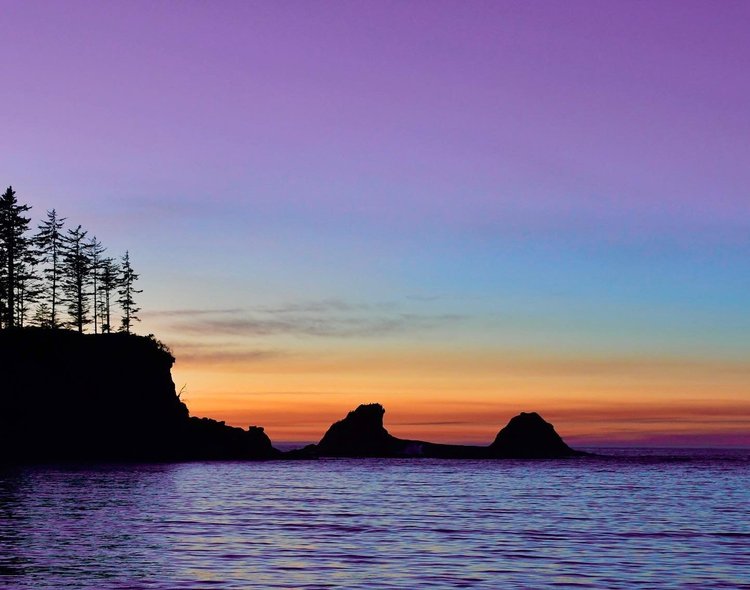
460, 214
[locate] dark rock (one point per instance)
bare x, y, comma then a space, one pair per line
67, 396
528, 435
209, 439
362, 434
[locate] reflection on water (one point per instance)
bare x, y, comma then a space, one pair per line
652, 521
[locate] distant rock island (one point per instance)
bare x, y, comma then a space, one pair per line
362, 434
68, 396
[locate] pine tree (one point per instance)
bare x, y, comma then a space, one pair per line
126, 292
3, 287
109, 281
28, 284
42, 316
28, 288
50, 241
76, 268
95, 252
15, 248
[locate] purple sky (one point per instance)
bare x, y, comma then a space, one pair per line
541, 99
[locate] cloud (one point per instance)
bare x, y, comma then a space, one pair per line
435, 423
320, 326
176, 313
331, 305
222, 356
324, 318
213, 352
424, 298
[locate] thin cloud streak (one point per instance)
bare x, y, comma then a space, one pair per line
315, 325
214, 357
435, 423
322, 306
331, 305
178, 313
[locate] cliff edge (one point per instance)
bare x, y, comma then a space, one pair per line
67, 396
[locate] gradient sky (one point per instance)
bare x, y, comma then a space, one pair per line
461, 210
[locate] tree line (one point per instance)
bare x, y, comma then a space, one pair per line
58, 277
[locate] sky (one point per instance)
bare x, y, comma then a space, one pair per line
461, 210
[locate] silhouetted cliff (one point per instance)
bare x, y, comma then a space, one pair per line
362, 434
70, 396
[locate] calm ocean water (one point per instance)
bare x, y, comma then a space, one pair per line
646, 519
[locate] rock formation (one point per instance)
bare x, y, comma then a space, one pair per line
528, 435
66, 396
69, 396
362, 434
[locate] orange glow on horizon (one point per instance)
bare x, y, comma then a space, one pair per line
467, 397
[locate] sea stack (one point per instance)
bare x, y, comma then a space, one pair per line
362, 434
529, 436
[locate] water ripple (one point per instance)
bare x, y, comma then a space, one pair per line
676, 521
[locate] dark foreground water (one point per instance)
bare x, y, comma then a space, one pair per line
645, 521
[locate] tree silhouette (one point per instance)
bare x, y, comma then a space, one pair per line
109, 281
28, 287
58, 267
126, 292
42, 316
3, 288
15, 249
75, 277
95, 252
50, 241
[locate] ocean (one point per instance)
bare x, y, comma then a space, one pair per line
636, 519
